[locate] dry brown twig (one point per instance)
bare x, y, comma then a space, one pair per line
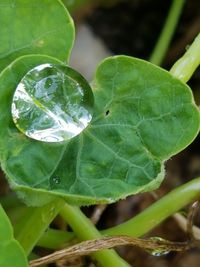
190, 219
98, 211
152, 244
186, 224
90, 246
182, 222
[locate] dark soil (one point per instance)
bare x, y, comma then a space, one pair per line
132, 27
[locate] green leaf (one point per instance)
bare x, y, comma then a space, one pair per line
15, 149
34, 27
10, 250
143, 116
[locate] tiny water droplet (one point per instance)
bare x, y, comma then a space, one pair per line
56, 180
157, 252
52, 103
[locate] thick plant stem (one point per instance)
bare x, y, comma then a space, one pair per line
145, 221
85, 230
35, 222
159, 211
187, 64
167, 32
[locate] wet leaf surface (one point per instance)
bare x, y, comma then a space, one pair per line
142, 117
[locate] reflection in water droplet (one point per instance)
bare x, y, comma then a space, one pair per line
52, 103
158, 252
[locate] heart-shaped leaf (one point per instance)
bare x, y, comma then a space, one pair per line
143, 116
10, 250
32, 27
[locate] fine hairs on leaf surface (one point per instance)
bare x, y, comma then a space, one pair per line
9, 246
149, 120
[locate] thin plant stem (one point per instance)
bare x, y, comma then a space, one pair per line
159, 211
98, 211
54, 239
36, 220
190, 220
167, 32
87, 247
188, 63
183, 224
84, 229
142, 223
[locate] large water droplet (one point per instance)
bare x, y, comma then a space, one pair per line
52, 103
158, 252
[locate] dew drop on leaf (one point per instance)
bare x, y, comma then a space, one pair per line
56, 180
52, 103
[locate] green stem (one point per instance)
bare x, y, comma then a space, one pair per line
54, 239
149, 218
187, 64
167, 32
34, 223
36, 220
85, 230
159, 211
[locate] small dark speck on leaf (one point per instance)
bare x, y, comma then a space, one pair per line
107, 112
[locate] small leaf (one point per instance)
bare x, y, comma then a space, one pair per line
142, 116
52, 103
34, 27
10, 250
